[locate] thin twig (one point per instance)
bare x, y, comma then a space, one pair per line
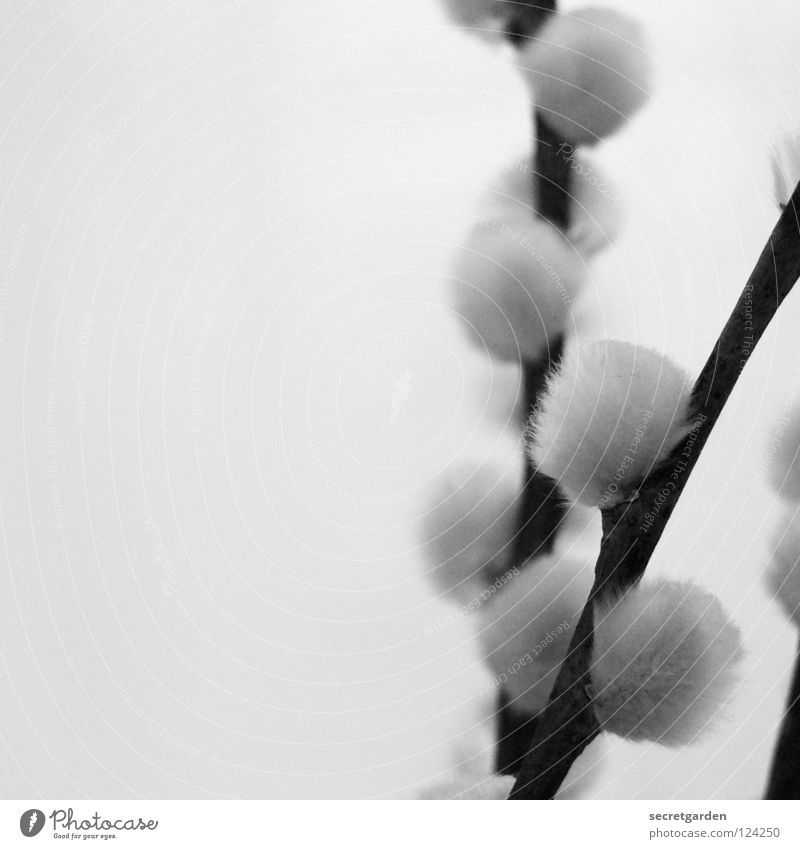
541, 510
515, 730
552, 174
528, 16
542, 507
784, 777
632, 529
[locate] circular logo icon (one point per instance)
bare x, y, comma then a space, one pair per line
31, 822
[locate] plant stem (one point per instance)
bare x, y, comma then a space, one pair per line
527, 18
541, 511
515, 730
542, 508
784, 778
552, 175
631, 530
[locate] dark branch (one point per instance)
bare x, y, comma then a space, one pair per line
528, 16
784, 778
515, 730
552, 175
542, 507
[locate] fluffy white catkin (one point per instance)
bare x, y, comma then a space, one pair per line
664, 662
470, 518
783, 470
470, 787
608, 416
783, 574
589, 70
786, 166
515, 281
526, 627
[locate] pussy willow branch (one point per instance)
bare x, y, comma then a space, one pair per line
540, 514
541, 507
784, 777
632, 529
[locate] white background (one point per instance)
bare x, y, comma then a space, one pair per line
224, 230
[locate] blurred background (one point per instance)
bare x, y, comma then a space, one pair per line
230, 370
